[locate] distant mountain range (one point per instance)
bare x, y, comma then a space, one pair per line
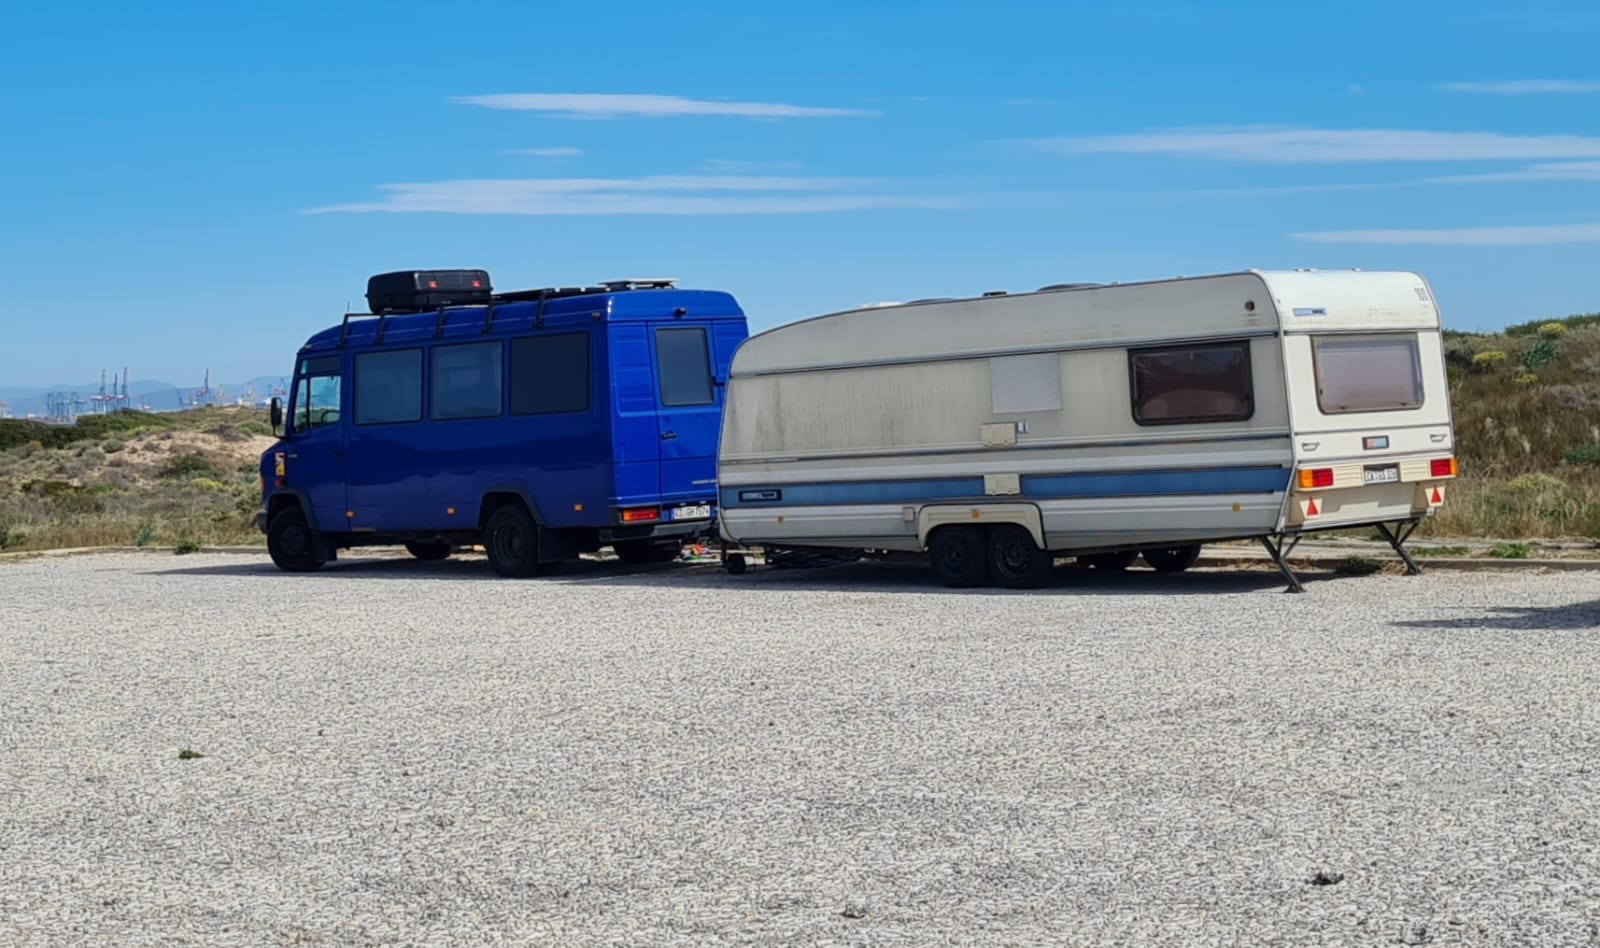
153, 394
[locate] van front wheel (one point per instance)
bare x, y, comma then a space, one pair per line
1172, 559
290, 542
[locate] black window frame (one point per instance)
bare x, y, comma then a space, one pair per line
1243, 346
1416, 369
355, 388
661, 378
588, 372
314, 367
433, 379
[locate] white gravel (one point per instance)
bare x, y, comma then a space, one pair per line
405, 753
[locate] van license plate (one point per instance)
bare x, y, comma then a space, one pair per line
697, 512
1388, 474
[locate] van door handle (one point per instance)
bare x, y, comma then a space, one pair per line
668, 435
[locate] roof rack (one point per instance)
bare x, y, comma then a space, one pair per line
637, 283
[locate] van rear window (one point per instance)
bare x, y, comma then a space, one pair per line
1176, 385
1367, 373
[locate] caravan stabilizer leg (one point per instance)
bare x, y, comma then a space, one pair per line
1397, 537
1279, 552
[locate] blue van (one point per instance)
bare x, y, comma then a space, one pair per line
540, 424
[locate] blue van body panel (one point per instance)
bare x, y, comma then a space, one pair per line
425, 476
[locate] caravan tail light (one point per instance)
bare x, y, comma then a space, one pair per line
641, 515
1443, 467
1316, 477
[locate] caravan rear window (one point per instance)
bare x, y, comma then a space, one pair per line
1367, 373
1178, 385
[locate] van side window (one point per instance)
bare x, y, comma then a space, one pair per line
1177, 385
388, 387
1367, 373
683, 364
466, 381
550, 374
316, 393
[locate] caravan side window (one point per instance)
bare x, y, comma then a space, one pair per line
1367, 373
1178, 385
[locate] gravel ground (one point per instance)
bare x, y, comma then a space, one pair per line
397, 752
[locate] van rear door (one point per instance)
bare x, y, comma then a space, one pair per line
689, 411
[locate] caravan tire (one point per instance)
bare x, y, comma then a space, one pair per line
1016, 561
291, 542
511, 539
960, 556
1110, 561
1172, 559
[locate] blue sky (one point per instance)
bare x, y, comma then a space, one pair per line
189, 186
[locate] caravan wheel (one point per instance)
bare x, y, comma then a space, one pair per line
1016, 561
1172, 559
960, 556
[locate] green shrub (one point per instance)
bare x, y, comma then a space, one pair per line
1525, 378
1510, 551
112, 445
1541, 353
144, 535
185, 546
209, 484
1587, 453
1553, 330
1488, 359
1357, 565
191, 464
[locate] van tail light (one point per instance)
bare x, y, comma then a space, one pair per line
1442, 467
1316, 477
641, 515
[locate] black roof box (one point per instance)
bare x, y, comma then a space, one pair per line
416, 291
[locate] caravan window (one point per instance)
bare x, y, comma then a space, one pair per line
1175, 385
1367, 373
388, 387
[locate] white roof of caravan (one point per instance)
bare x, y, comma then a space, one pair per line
1248, 301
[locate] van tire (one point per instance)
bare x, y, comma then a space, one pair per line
430, 549
646, 551
960, 556
1015, 560
1172, 559
291, 542
511, 539
1110, 561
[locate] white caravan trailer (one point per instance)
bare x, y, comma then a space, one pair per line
1096, 421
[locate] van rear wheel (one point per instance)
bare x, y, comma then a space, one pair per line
511, 539
430, 549
1016, 561
960, 556
1172, 559
647, 551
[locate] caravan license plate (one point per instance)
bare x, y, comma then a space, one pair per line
697, 512
1388, 474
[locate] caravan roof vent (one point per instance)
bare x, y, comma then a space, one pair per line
641, 283
1064, 286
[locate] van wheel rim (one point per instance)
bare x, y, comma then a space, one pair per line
509, 544
294, 541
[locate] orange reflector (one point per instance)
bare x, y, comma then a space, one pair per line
641, 515
450, 511
349, 515
1316, 477
578, 507
1442, 467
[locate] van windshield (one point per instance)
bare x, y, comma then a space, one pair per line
1367, 373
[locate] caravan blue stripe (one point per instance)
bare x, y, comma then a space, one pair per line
1096, 484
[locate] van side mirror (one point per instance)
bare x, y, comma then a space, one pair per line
276, 413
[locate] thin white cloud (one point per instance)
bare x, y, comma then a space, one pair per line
1329, 146
592, 105
1525, 87
548, 152
1464, 236
661, 194
1029, 103
1553, 171
733, 166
